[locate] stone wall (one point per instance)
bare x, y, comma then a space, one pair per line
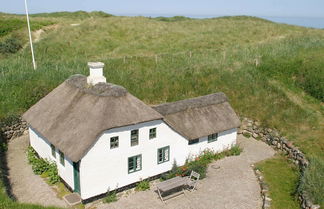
13, 130
272, 137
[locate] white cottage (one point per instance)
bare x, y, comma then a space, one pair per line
102, 137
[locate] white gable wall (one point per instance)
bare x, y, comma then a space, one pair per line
103, 168
43, 148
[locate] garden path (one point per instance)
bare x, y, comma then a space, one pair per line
26, 186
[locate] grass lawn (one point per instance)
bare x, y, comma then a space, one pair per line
281, 177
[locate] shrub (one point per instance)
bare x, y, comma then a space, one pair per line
111, 197
41, 166
53, 176
313, 180
10, 45
142, 186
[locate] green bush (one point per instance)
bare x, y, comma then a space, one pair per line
10, 45
40, 166
53, 176
142, 186
313, 180
111, 197
235, 150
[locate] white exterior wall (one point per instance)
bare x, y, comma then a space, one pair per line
103, 168
225, 140
43, 149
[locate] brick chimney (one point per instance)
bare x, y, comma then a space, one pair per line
96, 73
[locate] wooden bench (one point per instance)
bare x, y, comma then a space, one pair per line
170, 184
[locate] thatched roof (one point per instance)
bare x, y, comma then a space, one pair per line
200, 116
74, 114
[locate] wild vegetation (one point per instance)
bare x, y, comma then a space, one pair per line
270, 72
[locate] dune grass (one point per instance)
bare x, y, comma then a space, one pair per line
270, 72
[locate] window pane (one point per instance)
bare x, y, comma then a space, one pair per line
212, 137
114, 142
152, 133
160, 155
193, 141
134, 137
134, 163
138, 163
62, 158
53, 151
166, 154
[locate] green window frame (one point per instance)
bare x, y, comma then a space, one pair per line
53, 150
62, 158
212, 137
134, 163
193, 141
163, 154
134, 137
114, 142
152, 133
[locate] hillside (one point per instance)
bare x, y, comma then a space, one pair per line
271, 72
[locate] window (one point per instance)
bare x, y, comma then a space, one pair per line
152, 133
194, 141
62, 158
134, 163
212, 137
163, 154
134, 137
53, 150
114, 142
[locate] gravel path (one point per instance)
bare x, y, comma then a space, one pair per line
26, 186
233, 185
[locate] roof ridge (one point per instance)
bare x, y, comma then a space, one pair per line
196, 102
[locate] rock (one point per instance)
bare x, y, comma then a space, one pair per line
255, 135
315, 207
266, 204
278, 146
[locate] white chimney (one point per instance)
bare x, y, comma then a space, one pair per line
96, 73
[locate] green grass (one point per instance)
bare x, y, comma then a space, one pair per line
282, 178
284, 91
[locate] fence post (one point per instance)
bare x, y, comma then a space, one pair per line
156, 59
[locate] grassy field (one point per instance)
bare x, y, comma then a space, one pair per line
270, 72
281, 183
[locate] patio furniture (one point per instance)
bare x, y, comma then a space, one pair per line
193, 180
171, 184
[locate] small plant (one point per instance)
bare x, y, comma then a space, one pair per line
142, 186
235, 150
111, 197
246, 134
